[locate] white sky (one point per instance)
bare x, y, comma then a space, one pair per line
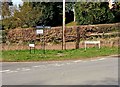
17, 2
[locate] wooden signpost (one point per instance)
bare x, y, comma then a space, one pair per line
92, 42
41, 30
32, 45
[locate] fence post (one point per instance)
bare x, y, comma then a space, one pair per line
78, 37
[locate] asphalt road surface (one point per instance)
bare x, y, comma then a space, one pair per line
100, 71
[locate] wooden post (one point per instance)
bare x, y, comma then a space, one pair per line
44, 40
63, 31
30, 50
99, 45
85, 46
34, 49
77, 38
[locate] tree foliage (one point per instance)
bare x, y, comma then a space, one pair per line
51, 13
35, 13
5, 9
31, 14
94, 13
25, 16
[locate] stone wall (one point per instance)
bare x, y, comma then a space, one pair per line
55, 33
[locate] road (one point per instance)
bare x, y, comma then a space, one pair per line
100, 71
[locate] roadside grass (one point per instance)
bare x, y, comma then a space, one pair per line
25, 56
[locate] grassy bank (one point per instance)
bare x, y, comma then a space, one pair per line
24, 55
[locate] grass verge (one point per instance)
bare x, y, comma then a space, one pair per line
24, 55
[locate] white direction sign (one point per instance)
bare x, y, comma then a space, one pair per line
39, 31
31, 45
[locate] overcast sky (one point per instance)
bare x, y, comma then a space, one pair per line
17, 2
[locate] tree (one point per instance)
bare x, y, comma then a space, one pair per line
39, 13
5, 9
69, 12
25, 16
93, 13
51, 13
116, 11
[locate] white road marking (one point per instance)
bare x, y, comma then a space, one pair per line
12, 71
4, 71
77, 61
25, 69
59, 64
56, 64
39, 66
94, 60
36, 66
101, 59
68, 63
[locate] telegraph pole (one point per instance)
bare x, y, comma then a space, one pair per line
111, 3
74, 13
63, 31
